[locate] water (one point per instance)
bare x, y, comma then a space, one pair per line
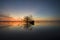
15, 26
38, 30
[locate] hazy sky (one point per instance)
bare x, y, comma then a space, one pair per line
42, 8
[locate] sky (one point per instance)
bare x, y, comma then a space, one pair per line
37, 8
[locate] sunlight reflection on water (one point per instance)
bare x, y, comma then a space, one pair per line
20, 25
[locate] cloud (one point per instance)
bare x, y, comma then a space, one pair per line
4, 15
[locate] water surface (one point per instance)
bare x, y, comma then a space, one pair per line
20, 26
39, 30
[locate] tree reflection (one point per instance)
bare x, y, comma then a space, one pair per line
28, 22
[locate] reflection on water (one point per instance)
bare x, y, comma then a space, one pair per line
47, 23
21, 25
